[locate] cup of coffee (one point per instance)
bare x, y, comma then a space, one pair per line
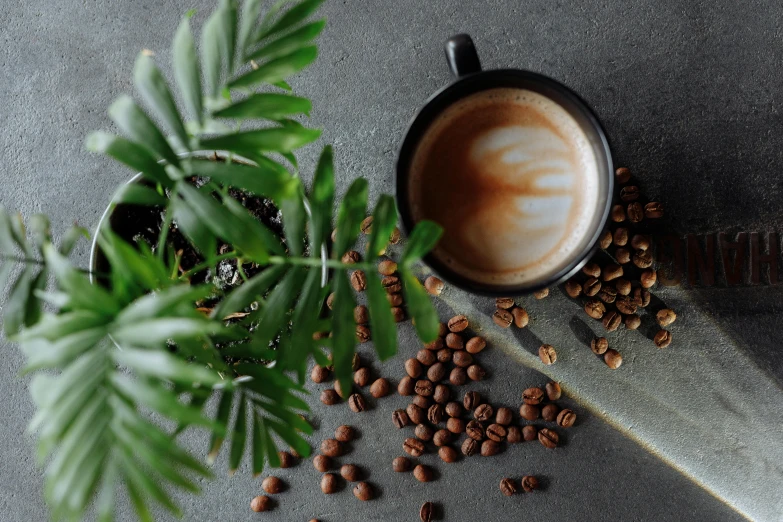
517, 170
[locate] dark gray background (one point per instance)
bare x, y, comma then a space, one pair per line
690, 93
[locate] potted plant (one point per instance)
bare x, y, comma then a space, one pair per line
158, 332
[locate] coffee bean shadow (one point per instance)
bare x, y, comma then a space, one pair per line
529, 340
583, 333
544, 482
377, 491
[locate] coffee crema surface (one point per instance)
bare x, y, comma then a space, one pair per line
512, 179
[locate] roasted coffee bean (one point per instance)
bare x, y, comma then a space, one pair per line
663, 339
475, 345
665, 317
387, 267
471, 400
613, 359
566, 418
508, 487
416, 414
351, 257
363, 491
413, 447
261, 503
425, 357
470, 447
591, 287
345, 433
476, 372
462, 359
394, 299
641, 297
435, 414
625, 305
322, 463
330, 301
339, 389
422, 402
622, 255
350, 472
423, 473
406, 386
642, 259
483, 412
620, 238
599, 345
529, 483
380, 388
553, 390
447, 454
635, 212
573, 289
505, 302
454, 341
529, 433
455, 425
648, 278
398, 314
272, 485
548, 438
400, 419
458, 323
329, 483
366, 225
653, 210
640, 242
425, 387
489, 448
357, 403
623, 286
533, 396
622, 175
361, 377
521, 318
612, 321
424, 432
401, 464
441, 437
541, 294
319, 374
547, 354
356, 362
502, 318
435, 345
442, 394
612, 271
629, 193
514, 435
444, 355
529, 412
607, 294
496, 432
458, 376
329, 397
618, 214
503, 416
605, 241
433, 285
427, 512
437, 372
595, 308
592, 270
286, 459
443, 329
549, 412
331, 448
395, 236
391, 284
362, 333
358, 280
475, 430
453, 409
632, 322
413, 367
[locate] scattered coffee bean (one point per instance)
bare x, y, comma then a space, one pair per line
458, 376
363, 491
395, 236
455, 425
391, 284
398, 314
423, 473
483, 412
425, 357
599, 345
413, 367
329, 483
475, 430
642, 259
663, 339
548, 438
529, 433
471, 400
470, 447
447, 454
618, 214
496, 432
356, 362
286, 459
622, 175
400, 418
453, 409
529, 412
437, 372
640, 242
566, 418
406, 386
612, 321
458, 323
427, 512
648, 278
322, 463
476, 372
435, 414
549, 412
366, 226
620, 238
508, 487
514, 435
591, 287
641, 297
612, 271
665, 317
319, 374
387, 267
351, 257
345, 433
462, 359
416, 414
475, 345
435, 345
331, 448
394, 299
607, 294
605, 241
362, 333
330, 301
329, 397
425, 387
553, 391
592, 270
629, 193
521, 318
635, 212
613, 359
573, 289
454, 341
444, 355
623, 286
357, 403
489, 448
362, 377
339, 389
380, 388
433, 285
441, 437
505, 302
261, 503
442, 394
359, 280
413, 447
424, 432
533, 396
502, 318
529, 483
422, 402
622, 255
595, 308
653, 210
503, 416
401, 464
443, 329
625, 305
632, 322
272, 485
351, 472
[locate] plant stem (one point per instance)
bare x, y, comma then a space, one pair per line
206, 264
317, 262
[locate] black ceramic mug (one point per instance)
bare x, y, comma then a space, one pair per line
470, 79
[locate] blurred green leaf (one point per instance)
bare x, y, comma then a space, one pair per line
252, 290
177, 300
303, 325
238, 436
291, 437
294, 220
344, 333
16, 306
210, 53
277, 306
138, 194
271, 106
145, 486
261, 181
221, 418
156, 332
131, 154
276, 139
163, 365
140, 269
277, 69
290, 42
383, 222
244, 219
228, 34
350, 216
420, 307
282, 84
46, 354
322, 200
286, 416
135, 123
423, 238
186, 70
71, 237
193, 228
153, 89
251, 10
384, 329
292, 17
269, 17
259, 444
53, 327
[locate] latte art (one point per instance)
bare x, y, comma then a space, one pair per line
512, 179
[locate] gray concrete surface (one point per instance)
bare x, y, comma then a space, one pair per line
690, 95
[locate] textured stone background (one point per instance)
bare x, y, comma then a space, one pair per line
688, 91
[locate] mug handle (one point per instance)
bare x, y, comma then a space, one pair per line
462, 56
